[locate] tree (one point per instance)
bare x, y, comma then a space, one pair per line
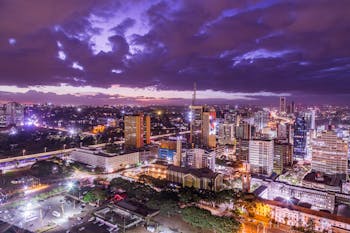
96, 195
89, 197
205, 220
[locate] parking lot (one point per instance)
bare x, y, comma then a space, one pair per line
54, 214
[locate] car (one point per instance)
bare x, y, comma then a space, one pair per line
100, 224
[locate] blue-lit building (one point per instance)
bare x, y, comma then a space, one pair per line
166, 154
300, 137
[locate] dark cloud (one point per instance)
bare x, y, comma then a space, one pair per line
278, 46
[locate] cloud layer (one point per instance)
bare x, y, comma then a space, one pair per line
155, 50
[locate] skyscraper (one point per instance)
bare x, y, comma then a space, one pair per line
313, 119
329, 154
196, 114
226, 134
261, 156
11, 114
261, 119
209, 129
299, 139
200, 158
178, 155
136, 129
283, 156
283, 104
245, 131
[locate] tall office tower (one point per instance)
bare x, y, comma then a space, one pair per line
178, 155
136, 128
148, 129
200, 158
329, 154
283, 104
242, 151
14, 113
3, 118
245, 177
261, 156
231, 117
281, 131
313, 119
299, 138
226, 134
196, 114
292, 107
289, 131
209, 129
283, 156
261, 119
245, 131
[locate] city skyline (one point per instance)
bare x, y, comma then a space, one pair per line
151, 52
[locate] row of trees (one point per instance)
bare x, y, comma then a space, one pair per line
205, 220
168, 199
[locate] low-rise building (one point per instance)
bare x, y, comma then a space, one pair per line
203, 178
108, 161
297, 216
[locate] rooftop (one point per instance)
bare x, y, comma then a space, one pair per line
331, 180
202, 172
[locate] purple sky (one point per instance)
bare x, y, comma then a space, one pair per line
110, 52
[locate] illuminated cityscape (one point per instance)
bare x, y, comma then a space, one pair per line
174, 116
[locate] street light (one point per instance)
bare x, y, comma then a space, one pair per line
70, 185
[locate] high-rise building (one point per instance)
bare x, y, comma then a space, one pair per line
281, 131
283, 104
167, 150
209, 129
200, 158
261, 156
299, 139
313, 119
178, 155
196, 114
137, 128
12, 113
3, 118
261, 119
291, 108
245, 131
242, 151
226, 134
283, 156
329, 154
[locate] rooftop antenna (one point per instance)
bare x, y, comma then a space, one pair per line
194, 93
